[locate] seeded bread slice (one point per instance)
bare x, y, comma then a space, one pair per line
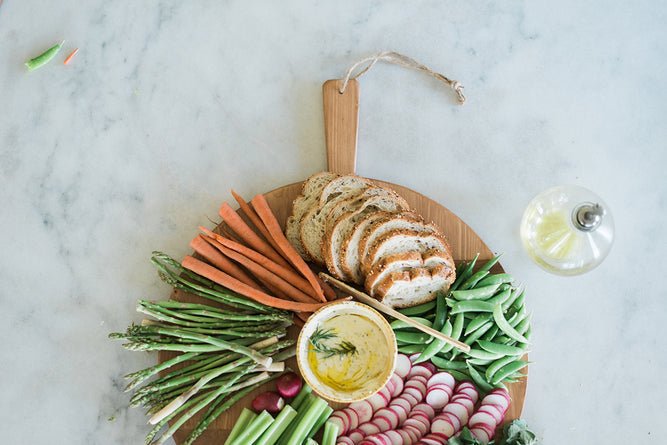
310, 194
403, 240
414, 286
349, 250
313, 222
401, 221
404, 261
345, 217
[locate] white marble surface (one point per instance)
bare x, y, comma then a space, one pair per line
169, 104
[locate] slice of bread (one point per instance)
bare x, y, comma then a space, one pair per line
349, 250
415, 286
402, 221
403, 240
310, 194
402, 261
313, 222
345, 217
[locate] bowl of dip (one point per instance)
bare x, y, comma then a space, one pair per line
346, 351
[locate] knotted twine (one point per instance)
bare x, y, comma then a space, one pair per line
401, 60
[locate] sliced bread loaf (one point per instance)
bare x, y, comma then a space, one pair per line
345, 217
402, 261
349, 250
310, 194
413, 286
313, 222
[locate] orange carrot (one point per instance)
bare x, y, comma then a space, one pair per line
231, 283
252, 216
238, 226
286, 274
262, 274
69, 58
303, 316
329, 293
214, 257
268, 218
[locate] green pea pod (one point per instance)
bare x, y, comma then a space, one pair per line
503, 339
477, 322
519, 301
44, 58
472, 338
461, 277
498, 278
520, 317
489, 264
413, 337
501, 297
529, 331
479, 362
436, 345
472, 306
474, 279
457, 330
479, 293
440, 312
448, 365
499, 348
490, 333
505, 326
400, 324
460, 376
523, 326
495, 366
409, 349
478, 379
508, 370
484, 355
516, 293
419, 309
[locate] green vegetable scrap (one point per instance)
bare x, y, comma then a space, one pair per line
517, 433
44, 58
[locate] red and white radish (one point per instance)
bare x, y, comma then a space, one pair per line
403, 365
289, 384
443, 378
269, 401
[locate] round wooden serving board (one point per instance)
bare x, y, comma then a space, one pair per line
464, 242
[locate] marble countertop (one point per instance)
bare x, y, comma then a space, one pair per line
169, 104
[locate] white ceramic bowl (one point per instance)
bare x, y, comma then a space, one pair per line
336, 309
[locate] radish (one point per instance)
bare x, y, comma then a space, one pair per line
481, 435
443, 426
412, 400
382, 423
420, 370
398, 385
442, 378
431, 367
338, 421
394, 437
453, 420
403, 366
497, 400
421, 427
343, 440
269, 401
390, 415
407, 438
356, 435
437, 398
441, 437
352, 418
459, 410
369, 428
289, 385
429, 440
494, 411
465, 401
426, 409
364, 410
489, 429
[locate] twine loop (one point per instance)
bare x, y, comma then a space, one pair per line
401, 60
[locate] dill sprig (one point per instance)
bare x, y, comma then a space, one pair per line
319, 335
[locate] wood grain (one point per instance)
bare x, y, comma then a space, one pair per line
341, 120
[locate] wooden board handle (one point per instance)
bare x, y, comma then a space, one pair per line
341, 121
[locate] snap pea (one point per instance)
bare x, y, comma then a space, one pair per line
440, 312
523, 326
44, 58
412, 337
465, 274
503, 339
516, 293
477, 322
478, 293
478, 379
472, 306
521, 315
436, 345
457, 330
489, 264
495, 366
409, 349
479, 361
460, 376
508, 370
490, 333
484, 355
478, 333
505, 326
498, 278
473, 280
501, 297
528, 332
519, 300
499, 348
400, 324
443, 363
419, 309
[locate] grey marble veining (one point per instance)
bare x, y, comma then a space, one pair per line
170, 104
